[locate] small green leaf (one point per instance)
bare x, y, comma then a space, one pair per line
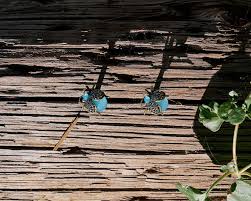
191, 193
240, 191
237, 116
225, 108
233, 94
205, 112
213, 124
248, 102
209, 118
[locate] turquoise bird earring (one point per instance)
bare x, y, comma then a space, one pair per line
94, 100
156, 102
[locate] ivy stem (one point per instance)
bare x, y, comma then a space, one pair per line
245, 168
247, 174
217, 182
234, 149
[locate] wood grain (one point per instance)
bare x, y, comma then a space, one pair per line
51, 50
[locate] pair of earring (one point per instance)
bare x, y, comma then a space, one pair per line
95, 100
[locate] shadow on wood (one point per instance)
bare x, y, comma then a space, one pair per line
169, 52
235, 74
75, 22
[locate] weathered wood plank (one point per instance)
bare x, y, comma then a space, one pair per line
128, 75
96, 195
101, 170
50, 50
95, 21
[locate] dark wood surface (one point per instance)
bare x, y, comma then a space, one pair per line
50, 50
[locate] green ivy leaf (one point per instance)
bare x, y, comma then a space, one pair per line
233, 94
225, 108
240, 191
191, 193
237, 116
213, 124
248, 102
209, 118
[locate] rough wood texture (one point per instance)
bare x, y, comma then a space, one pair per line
50, 50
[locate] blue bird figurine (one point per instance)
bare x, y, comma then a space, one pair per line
156, 101
94, 100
